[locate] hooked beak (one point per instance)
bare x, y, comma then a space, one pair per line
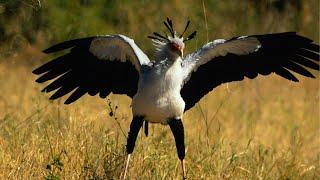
181, 52
178, 49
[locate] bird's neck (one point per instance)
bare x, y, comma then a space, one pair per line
165, 63
164, 53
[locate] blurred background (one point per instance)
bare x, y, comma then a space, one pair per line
262, 129
41, 23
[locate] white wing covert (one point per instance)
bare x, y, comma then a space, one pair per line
118, 47
220, 47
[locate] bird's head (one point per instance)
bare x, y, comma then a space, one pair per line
172, 44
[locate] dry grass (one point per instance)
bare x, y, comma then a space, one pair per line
262, 129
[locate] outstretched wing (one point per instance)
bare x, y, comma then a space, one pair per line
100, 64
224, 61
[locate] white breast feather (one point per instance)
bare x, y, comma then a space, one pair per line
158, 97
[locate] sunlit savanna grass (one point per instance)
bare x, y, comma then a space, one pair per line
262, 129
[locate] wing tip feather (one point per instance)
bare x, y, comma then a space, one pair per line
68, 44
37, 71
67, 102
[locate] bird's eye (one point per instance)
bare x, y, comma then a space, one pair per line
174, 46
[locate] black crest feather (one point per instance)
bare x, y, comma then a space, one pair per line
169, 25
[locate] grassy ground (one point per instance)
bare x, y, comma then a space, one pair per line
267, 128
262, 129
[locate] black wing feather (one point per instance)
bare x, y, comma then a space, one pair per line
279, 53
81, 72
83, 42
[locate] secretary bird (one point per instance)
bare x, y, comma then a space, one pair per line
163, 89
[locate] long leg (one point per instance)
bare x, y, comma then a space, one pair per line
177, 129
135, 126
